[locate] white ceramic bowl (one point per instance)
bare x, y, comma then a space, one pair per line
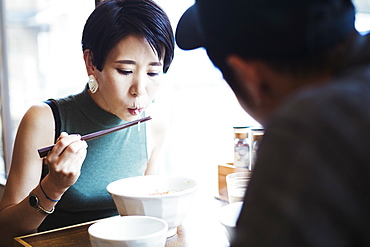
228, 215
163, 196
129, 231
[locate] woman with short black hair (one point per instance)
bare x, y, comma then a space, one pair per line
127, 46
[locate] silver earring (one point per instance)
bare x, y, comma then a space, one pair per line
93, 84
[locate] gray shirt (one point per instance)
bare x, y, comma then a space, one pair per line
311, 183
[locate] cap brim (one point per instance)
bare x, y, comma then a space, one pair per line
189, 31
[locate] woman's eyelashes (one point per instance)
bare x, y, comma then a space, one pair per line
128, 72
152, 74
124, 72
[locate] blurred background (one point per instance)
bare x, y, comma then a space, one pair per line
41, 58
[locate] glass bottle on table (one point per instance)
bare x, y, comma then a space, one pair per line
241, 147
256, 137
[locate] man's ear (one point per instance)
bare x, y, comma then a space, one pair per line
90, 68
249, 77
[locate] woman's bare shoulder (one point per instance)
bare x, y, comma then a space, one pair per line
37, 125
35, 131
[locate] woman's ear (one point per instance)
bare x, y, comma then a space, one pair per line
248, 77
90, 68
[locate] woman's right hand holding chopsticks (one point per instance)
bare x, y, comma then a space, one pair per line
65, 161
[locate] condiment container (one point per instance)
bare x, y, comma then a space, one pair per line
241, 147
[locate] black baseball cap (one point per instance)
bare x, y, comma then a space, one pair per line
283, 29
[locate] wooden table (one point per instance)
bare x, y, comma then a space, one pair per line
78, 236
199, 228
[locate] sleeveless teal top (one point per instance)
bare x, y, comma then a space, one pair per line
115, 156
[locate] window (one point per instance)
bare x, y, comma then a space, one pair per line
44, 56
362, 16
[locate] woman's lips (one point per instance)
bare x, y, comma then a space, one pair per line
135, 112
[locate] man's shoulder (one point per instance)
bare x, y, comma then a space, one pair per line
331, 115
343, 98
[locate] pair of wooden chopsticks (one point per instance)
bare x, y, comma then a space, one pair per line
44, 151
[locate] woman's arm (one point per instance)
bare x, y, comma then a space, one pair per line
36, 130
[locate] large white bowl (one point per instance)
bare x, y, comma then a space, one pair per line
129, 231
163, 196
228, 215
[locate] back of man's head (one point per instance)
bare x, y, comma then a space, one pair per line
266, 29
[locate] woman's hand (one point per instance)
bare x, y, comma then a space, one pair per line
65, 160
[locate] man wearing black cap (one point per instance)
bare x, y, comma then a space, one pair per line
301, 69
